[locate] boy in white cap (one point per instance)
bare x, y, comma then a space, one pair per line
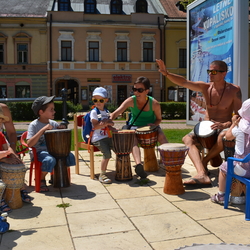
101, 137
44, 108
240, 131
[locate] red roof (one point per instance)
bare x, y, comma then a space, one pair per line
172, 10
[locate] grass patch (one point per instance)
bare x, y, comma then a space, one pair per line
173, 135
64, 205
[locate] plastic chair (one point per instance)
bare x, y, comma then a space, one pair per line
246, 181
78, 122
34, 164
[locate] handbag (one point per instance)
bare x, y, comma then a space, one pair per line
128, 127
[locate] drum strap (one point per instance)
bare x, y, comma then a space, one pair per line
129, 126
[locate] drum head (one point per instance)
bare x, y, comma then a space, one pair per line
57, 130
172, 146
146, 128
203, 129
124, 131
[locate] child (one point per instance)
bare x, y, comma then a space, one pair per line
44, 108
8, 156
240, 131
100, 137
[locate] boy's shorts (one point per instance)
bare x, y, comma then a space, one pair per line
104, 145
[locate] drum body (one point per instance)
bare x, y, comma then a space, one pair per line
58, 142
2, 188
123, 142
173, 156
238, 189
229, 148
13, 178
147, 138
207, 138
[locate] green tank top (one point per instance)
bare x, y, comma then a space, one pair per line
145, 117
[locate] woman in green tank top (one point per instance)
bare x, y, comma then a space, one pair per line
150, 116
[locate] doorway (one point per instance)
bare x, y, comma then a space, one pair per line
72, 88
121, 94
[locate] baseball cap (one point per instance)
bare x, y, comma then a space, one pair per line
101, 92
4, 117
40, 101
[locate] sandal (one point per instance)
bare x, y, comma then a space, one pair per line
43, 187
4, 207
25, 197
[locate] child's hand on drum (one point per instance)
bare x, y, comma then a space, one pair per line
47, 127
4, 153
12, 159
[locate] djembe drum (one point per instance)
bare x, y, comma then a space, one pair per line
207, 138
13, 178
147, 138
2, 188
173, 156
123, 142
58, 142
238, 189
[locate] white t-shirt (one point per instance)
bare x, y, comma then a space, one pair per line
239, 141
99, 133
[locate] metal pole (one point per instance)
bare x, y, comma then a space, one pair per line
64, 93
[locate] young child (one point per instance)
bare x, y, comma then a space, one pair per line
100, 137
240, 131
8, 156
44, 108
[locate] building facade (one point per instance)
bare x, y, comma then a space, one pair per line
23, 49
104, 43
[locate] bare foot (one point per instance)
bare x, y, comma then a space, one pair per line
198, 180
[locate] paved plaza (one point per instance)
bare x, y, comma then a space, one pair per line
123, 215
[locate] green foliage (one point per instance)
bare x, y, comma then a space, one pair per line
173, 110
185, 3
21, 111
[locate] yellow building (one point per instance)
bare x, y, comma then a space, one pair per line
23, 49
108, 44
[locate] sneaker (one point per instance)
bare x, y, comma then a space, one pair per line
104, 179
218, 198
140, 171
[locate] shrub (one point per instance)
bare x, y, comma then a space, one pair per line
173, 110
21, 111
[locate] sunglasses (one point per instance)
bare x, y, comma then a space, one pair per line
214, 72
98, 100
140, 90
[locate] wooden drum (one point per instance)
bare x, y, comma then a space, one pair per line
207, 138
173, 156
123, 142
58, 142
147, 138
238, 189
2, 188
13, 178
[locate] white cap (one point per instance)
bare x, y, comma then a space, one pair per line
101, 92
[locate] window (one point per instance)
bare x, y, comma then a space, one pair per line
141, 6
94, 46
182, 58
90, 6
148, 47
94, 51
22, 53
147, 52
121, 51
22, 45
22, 91
116, 7
66, 50
3, 91
1, 53
63, 5
66, 43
